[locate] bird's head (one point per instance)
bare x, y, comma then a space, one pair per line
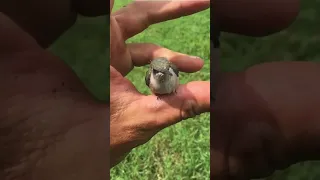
160, 68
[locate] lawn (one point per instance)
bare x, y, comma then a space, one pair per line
300, 42
181, 151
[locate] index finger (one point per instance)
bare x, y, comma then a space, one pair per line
139, 15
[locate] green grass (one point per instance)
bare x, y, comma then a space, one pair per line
181, 151
300, 42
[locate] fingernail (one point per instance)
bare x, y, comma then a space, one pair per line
195, 57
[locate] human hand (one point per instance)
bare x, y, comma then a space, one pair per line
242, 127
136, 118
47, 20
51, 126
265, 119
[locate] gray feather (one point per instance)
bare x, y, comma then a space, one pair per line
160, 64
147, 78
175, 69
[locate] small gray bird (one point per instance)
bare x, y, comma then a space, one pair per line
162, 76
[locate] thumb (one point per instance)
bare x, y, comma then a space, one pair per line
190, 100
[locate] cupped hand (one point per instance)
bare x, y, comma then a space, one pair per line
135, 118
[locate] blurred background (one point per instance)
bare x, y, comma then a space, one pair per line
300, 42
85, 47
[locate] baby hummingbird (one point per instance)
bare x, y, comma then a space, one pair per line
162, 76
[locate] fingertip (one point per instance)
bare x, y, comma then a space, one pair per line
195, 6
197, 60
186, 63
198, 91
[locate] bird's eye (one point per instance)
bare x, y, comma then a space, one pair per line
155, 71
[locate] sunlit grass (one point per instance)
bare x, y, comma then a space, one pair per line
181, 151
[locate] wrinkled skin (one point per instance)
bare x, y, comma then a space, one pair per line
51, 126
266, 117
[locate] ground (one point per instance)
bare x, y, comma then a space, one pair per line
182, 151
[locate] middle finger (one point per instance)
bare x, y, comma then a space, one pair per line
143, 53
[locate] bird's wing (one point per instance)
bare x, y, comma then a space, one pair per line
147, 78
175, 69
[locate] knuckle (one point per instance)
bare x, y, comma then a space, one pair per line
189, 108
